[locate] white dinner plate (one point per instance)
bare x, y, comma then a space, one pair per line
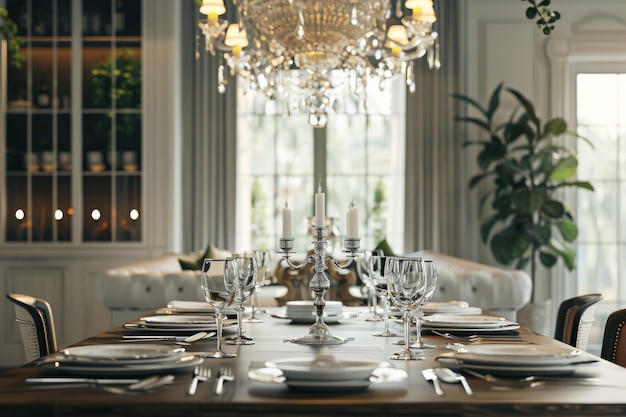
473, 321
516, 354
308, 319
514, 370
325, 368
117, 354
182, 364
184, 319
451, 307
507, 326
275, 376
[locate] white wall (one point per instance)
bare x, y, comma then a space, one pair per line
502, 45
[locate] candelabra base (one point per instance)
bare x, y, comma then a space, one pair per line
319, 336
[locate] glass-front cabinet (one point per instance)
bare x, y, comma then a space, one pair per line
72, 123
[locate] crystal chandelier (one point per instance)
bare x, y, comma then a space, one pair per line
314, 52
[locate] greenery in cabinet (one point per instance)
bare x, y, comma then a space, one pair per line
8, 32
528, 169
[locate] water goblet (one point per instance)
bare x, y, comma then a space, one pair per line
363, 265
218, 280
406, 282
379, 279
264, 264
247, 269
430, 271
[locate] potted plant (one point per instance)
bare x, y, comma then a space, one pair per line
8, 32
524, 220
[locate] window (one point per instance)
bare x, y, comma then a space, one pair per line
601, 244
358, 157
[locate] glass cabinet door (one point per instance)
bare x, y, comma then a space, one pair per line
111, 120
65, 183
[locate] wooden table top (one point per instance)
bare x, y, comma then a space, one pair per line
245, 397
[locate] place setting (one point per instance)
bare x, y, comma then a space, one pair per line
516, 360
178, 323
130, 359
325, 373
456, 323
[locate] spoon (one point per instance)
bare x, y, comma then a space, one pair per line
447, 375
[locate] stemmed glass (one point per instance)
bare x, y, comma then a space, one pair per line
365, 272
430, 271
218, 281
247, 268
406, 282
379, 279
264, 264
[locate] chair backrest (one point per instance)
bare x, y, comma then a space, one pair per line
36, 323
574, 320
614, 341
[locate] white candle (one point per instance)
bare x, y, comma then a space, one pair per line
286, 221
320, 204
352, 222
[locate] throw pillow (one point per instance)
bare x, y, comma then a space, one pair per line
211, 251
383, 246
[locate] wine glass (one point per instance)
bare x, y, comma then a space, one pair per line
430, 271
264, 264
406, 282
379, 279
364, 267
218, 281
247, 269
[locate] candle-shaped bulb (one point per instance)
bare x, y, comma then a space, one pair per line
319, 186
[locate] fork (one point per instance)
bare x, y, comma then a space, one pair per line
200, 373
226, 374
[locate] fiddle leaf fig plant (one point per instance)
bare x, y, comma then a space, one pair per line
525, 168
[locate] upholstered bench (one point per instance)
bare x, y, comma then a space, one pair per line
131, 289
498, 290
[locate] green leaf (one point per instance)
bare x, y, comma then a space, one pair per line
473, 120
470, 101
547, 259
553, 209
528, 201
565, 252
522, 262
564, 169
508, 245
531, 13
494, 101
581, 184
530, 109
568, 230
476, 179
555, 127
487, 225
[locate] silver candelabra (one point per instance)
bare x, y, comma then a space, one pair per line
319, 283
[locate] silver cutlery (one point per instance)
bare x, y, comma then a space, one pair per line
142, 386
429, 375
226, 374
483, 338
507, 383
182, 340
448, 376
200, 374
87, 381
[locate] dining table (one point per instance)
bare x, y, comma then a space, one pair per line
598, 389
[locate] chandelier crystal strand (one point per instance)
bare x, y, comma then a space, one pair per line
334, 47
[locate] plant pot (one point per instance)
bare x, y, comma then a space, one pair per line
537, 316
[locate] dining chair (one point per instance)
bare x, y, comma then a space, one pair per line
574, 319
36, 323
614, 341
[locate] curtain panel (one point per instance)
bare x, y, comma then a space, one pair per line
434, 188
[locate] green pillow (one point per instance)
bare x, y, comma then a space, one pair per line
383, 246
195, 264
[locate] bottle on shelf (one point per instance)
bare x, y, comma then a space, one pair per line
42, 95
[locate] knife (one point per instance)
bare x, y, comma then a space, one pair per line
429, 375
69, 380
